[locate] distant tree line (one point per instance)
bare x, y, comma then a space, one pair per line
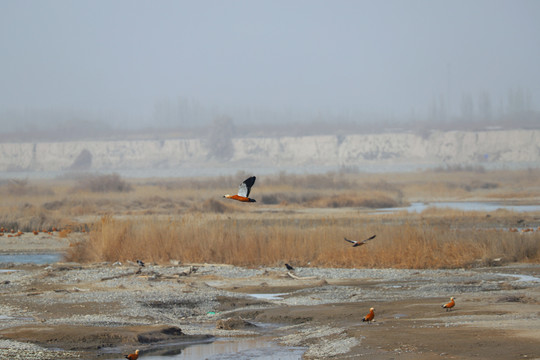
185, 118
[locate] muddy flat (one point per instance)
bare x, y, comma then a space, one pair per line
99, 311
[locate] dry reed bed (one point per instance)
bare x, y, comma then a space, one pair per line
211, 229
276, 239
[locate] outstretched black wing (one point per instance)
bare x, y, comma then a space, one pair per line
352, 242
369, 238
245, 187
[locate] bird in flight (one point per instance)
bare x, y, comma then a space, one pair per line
450, 304
370, 316
289, 267
243, 191
133, 356
359, 243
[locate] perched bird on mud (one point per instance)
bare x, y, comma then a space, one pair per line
359, 243
133, 356
289, 267
450, 304
370, 316
140, 263
243, 191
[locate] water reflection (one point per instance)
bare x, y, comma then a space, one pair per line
261, 348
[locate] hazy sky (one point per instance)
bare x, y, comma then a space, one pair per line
382, 57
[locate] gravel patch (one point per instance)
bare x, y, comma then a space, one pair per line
116, 295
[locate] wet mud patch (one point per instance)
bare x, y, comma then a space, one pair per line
88, 338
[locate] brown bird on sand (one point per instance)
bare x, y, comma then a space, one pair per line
133, 356
243, 191
449, 305
370, 316
359, 243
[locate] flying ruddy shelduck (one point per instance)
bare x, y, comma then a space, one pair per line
449, 305
133, 356
370, 316
359, 243
243, 191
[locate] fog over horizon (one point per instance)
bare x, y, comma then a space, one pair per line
137, 64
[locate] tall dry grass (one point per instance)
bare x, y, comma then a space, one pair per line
297, 218
272, 241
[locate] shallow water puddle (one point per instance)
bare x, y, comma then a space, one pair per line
520, 277
399, 316
260, 348
268, 296
418, 207
30, 258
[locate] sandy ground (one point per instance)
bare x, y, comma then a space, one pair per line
102, 311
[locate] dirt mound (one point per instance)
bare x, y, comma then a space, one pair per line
72, 337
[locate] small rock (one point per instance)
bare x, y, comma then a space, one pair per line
235, 323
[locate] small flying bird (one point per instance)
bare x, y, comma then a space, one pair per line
243, 191
133, 356
370, 316
359, 243
140, 263
289, 267
449, 305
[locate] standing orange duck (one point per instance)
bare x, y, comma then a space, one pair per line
370, 316
133, 356
243, 191
449, 305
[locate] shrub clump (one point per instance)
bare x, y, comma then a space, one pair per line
104, 183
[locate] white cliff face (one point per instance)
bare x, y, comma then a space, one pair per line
382, 147
451, 147
287, 151
487, 146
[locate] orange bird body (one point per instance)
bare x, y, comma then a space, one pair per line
450, 304
243, 191
133, 356
370, 316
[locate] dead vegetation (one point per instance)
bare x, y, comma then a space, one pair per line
297, 218
305, 241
